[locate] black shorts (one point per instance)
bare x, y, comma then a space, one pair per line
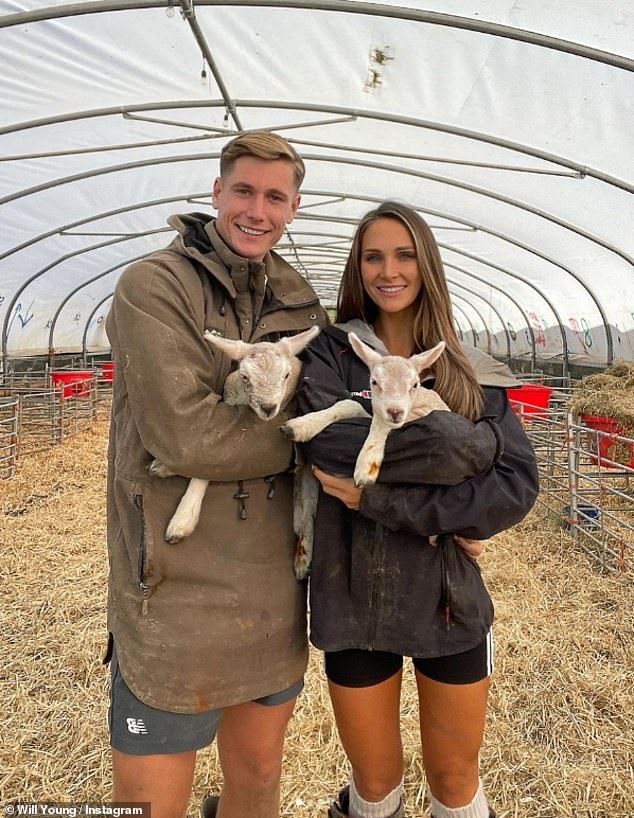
364, 668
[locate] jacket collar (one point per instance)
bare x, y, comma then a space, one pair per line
199, 239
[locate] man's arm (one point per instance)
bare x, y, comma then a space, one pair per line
170, 374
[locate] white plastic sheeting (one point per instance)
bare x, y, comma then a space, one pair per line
509, 125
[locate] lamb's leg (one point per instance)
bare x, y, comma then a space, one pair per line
306, 491
370, 457
305, 427
186, 516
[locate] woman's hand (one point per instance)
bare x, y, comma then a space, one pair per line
472, 547
343, 488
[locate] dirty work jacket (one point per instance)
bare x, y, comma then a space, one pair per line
376, 581
218, 618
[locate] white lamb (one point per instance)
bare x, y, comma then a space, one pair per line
265, 380
397, 397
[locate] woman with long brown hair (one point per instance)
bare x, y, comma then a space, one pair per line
380, 589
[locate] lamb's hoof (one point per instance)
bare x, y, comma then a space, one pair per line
157, 469
362, 479
302, 567
296, 430
287, 431
175, 533
303, 556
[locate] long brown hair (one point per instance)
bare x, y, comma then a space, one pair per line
455, 380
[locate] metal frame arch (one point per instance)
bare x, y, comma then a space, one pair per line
541, 294
476, 136
470, 303
474, 225
5, 324
469, 323
515, 303
491, 307
77, 289
368, 9
342, 160
84, 337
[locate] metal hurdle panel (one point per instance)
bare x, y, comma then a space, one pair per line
600, 513
9, 410
588, 492
48, 414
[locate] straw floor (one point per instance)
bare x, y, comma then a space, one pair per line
560, 737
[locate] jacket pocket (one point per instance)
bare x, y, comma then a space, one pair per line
464, 597
143, 560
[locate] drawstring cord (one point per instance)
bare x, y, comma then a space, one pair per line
241, 495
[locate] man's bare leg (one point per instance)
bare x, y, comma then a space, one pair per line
250, 745
163, 780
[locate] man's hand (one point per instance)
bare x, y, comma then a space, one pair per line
343, 488
472, 547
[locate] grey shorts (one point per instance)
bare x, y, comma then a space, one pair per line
138, 729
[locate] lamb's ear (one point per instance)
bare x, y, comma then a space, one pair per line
236, 350
368, 355
423, 360
294, 344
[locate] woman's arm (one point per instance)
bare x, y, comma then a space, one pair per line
442, 448
478, 507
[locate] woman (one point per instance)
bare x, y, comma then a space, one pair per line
380, 590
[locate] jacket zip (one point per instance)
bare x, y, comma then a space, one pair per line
142, 570
445, 582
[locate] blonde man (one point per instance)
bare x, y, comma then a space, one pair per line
207, 637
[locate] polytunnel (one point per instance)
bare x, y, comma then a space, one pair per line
507, 124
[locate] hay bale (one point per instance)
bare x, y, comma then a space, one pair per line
609, 393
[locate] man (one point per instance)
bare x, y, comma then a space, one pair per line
207, 636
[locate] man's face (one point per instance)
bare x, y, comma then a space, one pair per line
255, 201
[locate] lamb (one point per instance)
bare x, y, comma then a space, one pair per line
397, 397
265, 380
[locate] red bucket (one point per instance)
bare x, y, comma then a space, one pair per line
534, 398
107, 370
74, 382
605, 448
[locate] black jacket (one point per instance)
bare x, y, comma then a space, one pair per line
376, 581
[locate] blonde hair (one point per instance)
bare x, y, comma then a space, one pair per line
263, 145
455, 379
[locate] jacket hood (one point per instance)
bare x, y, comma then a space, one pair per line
489, 372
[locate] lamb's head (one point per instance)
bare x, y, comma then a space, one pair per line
268, 370
394, 380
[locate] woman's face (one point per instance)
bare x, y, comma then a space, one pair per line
389, 269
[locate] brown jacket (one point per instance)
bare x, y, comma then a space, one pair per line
218, 619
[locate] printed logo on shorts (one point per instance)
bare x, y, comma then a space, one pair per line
136, 726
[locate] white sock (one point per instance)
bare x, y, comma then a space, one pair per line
360, 808
477, 808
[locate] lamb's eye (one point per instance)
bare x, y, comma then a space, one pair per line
245, 378
374, 382
286, 376
416, 385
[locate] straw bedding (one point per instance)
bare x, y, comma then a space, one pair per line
560, 736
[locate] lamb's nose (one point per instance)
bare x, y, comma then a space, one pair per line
268, 409
395, 414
